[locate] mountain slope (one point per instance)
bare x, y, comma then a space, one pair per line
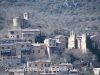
52, 15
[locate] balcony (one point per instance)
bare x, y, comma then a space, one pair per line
25, 50
54, 48
6, 52
9, 41
26, 35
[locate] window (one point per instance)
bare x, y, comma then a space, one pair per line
22, 46
35, 71
56, 44
24, 35
53, 67
29, 64
54, 71
35, 64
25, 22
30, 40
46, 71
52, 51
33, 51
50, 40
2, 47
29, 34
41, 65
32, 46
54, 41
17, 36
12, 32
45, 51
38, 51
8, 47
48, 65
27, 45
41, 47
49, 71
45, 65
57, 71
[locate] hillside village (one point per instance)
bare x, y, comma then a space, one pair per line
20, 54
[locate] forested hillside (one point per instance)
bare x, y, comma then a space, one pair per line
53, 16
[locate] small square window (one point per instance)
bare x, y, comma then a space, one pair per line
17, 36
35, 64
22, 46
8, 47
49, 71
38, 51
2, 47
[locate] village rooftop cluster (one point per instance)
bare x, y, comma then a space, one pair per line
20, 55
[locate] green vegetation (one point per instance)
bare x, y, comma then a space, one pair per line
54, 14
93, 47
55, 17
40, 38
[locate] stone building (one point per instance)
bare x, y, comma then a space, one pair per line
39, 51
21, 23
25, 34
72, 40
81, 40
52, 47
77, 41
62, 39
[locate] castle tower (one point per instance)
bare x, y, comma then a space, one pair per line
72, 33
20, 23
79, 41
26, 16
17, 22
82, 42
71, 40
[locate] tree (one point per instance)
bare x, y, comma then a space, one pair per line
40, 38
93, 47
